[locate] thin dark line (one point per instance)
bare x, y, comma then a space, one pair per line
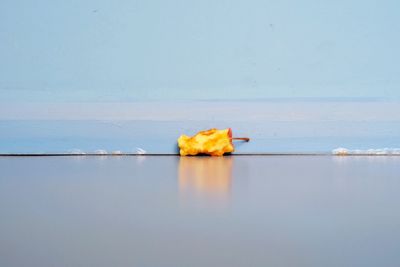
174, 155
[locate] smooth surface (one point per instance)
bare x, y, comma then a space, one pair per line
124, 50
170, 211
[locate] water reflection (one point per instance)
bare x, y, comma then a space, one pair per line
205, 177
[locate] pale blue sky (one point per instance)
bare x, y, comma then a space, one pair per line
91, 51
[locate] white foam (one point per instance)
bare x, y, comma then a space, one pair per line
140, 151
379, 151
101, 152
340, 151
76, 151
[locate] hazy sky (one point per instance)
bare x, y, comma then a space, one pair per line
102, 50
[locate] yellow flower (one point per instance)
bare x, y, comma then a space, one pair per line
213, 142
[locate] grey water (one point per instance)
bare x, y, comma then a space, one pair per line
199, 211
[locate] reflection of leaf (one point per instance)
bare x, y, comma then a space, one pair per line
204, 174
213, 142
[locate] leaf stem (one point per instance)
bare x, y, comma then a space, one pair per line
246, 139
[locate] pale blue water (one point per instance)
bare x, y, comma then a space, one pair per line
160, 136
290, 126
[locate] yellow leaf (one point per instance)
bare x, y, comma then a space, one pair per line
213, 142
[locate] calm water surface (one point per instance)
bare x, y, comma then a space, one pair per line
171, 211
